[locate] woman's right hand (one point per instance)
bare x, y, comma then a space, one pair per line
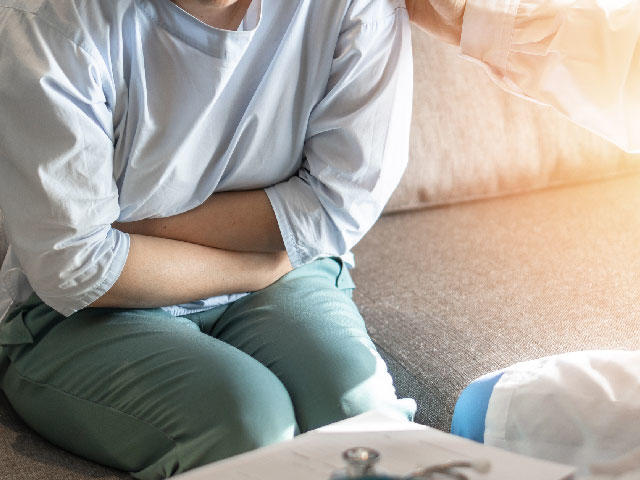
442, 18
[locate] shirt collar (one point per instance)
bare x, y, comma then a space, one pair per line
227, 45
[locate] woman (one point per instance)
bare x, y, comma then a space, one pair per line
161, 159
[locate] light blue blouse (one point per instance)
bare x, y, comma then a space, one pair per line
131, 109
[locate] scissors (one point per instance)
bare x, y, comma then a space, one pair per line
361, 463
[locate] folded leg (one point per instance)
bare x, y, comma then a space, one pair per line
139, 390
306, 329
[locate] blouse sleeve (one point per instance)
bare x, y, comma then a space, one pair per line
57, 190
580, 56
357, 138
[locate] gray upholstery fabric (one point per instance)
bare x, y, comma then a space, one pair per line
470, 139
454, 292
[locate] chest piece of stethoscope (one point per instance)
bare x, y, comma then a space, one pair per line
361, 463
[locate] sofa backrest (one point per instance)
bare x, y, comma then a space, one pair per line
472, 140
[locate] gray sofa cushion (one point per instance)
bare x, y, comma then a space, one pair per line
451, 293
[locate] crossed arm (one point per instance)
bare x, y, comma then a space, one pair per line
237, 233
229, 244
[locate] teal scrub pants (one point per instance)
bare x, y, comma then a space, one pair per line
155, 394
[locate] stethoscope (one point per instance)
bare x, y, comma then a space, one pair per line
361, 461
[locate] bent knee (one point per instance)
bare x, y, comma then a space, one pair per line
357, 382
250, 422
264, 425
241, 421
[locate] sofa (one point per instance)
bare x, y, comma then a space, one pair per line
513, 235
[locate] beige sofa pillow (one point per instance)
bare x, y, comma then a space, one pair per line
472, 140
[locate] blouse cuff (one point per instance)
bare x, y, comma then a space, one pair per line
69, 305
285, 225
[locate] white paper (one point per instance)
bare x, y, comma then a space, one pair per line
404, 447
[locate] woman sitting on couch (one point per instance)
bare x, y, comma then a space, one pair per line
244, 147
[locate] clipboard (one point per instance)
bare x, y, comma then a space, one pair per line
404, 447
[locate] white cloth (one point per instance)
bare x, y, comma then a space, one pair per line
132, 109
579, 56
580, 408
